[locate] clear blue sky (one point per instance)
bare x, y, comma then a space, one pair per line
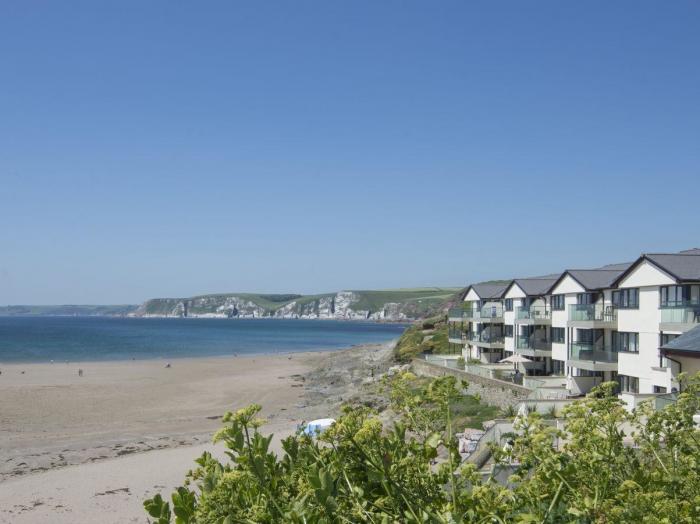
175, 148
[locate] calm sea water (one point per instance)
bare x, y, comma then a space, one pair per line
41, 339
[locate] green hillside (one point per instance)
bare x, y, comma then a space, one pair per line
67, 310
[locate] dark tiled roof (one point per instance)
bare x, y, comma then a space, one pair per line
535, 286
688, 342
621, 266
594, 279
489, 290
683, 266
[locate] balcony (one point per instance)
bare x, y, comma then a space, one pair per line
457, 314
533, 315
533, 346
486, 314
592, 316
592, 357
454, 336
680, 317
485, 340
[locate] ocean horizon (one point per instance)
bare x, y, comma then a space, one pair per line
84, 339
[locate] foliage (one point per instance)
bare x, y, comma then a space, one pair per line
605, 466
414, 341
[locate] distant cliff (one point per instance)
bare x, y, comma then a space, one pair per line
393, 305
67, 311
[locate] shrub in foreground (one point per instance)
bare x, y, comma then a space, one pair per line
605, 466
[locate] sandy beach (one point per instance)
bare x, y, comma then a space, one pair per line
91, 448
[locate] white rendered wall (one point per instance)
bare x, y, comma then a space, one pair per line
644, 321
509, 320
647, 274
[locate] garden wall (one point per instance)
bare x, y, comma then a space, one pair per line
492, 391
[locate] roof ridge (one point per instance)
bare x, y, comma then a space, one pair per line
675, 254
592, 269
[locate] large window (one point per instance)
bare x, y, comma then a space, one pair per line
667, 337
626, 298
509, 304
557, 302
589, 336
558, 335
628, 384
680, 295
626, 342
586, 298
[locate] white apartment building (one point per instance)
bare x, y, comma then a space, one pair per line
483, 336
527, 322
590, 325
657, 299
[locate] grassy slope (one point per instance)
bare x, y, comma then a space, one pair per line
414, 341
69, 309
374, 300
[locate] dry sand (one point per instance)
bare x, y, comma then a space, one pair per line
90, 449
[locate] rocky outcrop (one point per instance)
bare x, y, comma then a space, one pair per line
343, 305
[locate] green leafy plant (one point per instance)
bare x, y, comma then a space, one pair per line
602, 464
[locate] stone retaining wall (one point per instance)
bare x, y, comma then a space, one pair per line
492, 391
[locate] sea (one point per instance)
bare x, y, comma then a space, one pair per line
78, 339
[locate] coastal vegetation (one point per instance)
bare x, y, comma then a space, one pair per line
426, 336
601, 464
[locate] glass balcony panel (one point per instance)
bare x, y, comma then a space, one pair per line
681, 315
534, 313
592, 352
485, 337
592, 312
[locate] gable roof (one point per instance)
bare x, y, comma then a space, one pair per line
684, 266
620, 267
487, 290
687, 344
590, 279
535, 286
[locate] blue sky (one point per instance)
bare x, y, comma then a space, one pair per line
175, 148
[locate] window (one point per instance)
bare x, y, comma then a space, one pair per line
558, 302
585, 298
626, 342
509, 330
628, 384
666, 338
587, 373
509, 304
558, 367
589, 336
679, 295
558, 335
626, 298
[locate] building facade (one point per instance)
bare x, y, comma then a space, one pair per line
589, 325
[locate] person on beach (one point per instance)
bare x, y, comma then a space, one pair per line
80, 372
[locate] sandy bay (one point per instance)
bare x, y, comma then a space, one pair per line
76, 449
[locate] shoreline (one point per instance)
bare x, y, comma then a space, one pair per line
153, 360
52, 418
93, 450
